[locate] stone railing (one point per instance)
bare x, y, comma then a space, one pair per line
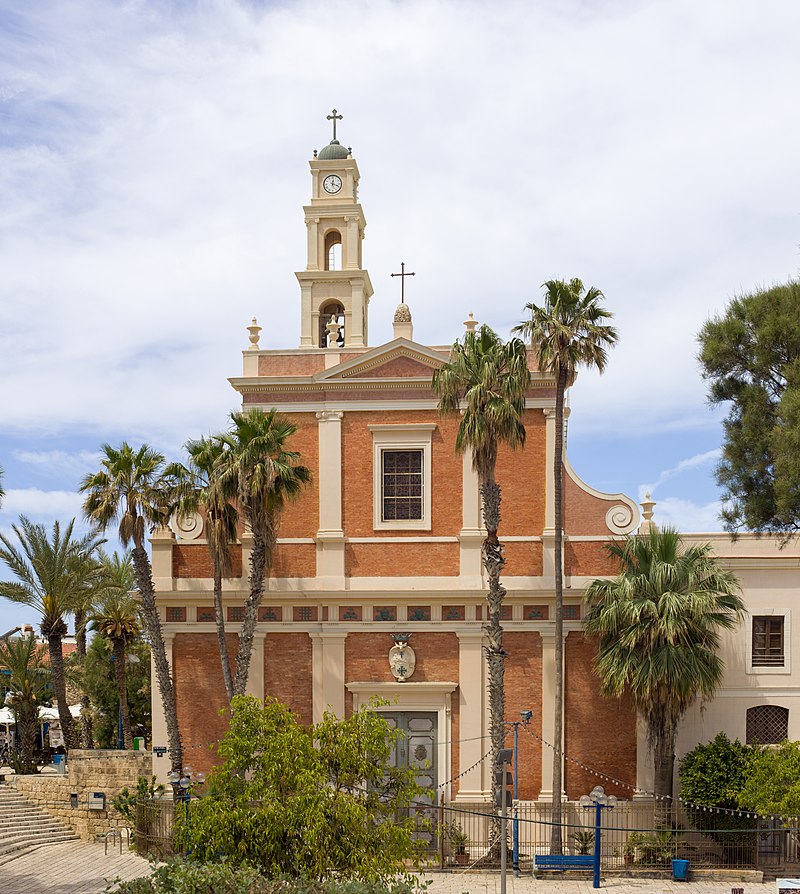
88, 772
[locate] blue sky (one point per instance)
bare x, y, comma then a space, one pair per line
153, 168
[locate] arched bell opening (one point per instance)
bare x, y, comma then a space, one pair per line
333, 250
330, 337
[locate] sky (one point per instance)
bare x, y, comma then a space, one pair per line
154, 165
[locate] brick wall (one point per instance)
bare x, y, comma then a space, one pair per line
390, 559
194, 560
301, 516
588, 558
287, 672
357, 478
521, 475
523, 685
200, 693
598, 731
523, 559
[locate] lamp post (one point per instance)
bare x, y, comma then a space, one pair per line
600, 800
526, 719
185, 781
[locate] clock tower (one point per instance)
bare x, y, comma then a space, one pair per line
334, 288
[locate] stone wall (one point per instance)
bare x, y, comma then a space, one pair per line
87, 771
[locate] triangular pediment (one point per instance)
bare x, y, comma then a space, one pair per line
397, 359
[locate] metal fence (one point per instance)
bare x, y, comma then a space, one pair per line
635, 836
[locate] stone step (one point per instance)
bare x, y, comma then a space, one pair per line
17, 850
30, 826
24, 827
14, 842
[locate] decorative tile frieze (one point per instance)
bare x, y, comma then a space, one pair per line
535, 612
419, 613
384, 613
176, 614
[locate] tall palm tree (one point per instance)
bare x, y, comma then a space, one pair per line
263, 475
567, 331
87, 738
27, 681
658, 626
52, 576
485, 379
116, 617
200, 488
130, 490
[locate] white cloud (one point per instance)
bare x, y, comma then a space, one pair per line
58, 463
688, 516
693, 462
42, 505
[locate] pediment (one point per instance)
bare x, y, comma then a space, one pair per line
398, 359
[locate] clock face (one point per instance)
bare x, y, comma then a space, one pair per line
332, 183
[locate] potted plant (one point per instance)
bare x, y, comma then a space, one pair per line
632, 842
459, 842
584, 842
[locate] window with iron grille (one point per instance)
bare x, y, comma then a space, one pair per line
767, 725
768, 641
402, 484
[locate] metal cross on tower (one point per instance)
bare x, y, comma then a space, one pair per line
402, 274
334, 117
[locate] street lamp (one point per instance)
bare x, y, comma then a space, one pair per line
601, 801
185, 781
526, 719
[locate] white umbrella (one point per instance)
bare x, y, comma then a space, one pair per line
75, 710
6, 716
48, 714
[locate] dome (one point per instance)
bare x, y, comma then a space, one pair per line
402, 314
334, 150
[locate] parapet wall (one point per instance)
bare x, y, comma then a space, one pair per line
107, 772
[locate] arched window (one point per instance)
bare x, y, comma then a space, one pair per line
333, 250
331, 310
767, 725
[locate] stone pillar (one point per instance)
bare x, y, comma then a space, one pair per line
645, 774
548, 712
471, 535
473, 723
312, 224
308, 318
330, 536
161, 765
161, 541
255, 677
327, 662
350, 261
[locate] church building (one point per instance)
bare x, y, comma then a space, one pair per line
377, 586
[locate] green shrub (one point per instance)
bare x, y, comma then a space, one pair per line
180, 876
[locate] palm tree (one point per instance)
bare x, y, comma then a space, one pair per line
567, 332
658, 624
130, 489
87, 738
485, 379
200, 488
27, 681
52, 576
2, 492
264, 476
116, 617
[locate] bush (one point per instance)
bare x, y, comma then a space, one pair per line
773, 782
306, 802
189, 877
713, 775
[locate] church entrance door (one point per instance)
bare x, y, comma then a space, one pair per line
418, 749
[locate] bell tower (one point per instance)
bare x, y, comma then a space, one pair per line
334, 288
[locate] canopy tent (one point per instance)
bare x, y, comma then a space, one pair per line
46, 715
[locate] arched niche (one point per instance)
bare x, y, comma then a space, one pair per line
331, 310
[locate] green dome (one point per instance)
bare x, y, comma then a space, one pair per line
334, 150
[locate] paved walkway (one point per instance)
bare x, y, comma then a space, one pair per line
81, 868
77, 867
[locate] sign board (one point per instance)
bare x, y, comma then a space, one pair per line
787, 885
97, 801
56, 736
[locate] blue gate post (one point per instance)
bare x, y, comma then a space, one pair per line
515, 852
601, 800
598, 807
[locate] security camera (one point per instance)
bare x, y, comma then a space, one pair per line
526, 715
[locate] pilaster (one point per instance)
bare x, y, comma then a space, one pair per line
161, 542
645, 774
255, 677
548, 712
473, 785
327, 661
330, 536
471, 535
161, 765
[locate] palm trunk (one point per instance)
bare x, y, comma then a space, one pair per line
661, 736
152, 622
223, 642
258, 564
493, 562
556, 843
27, 720
60, 690
122, 692
87, 737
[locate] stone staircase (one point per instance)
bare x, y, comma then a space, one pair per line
23, 827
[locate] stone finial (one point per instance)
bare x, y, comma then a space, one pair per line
471, 323
255, 334
403, 326
647, 524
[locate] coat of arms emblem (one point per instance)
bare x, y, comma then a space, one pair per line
402, 659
